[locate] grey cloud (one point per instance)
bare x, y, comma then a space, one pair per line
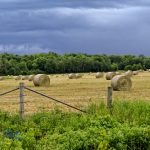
10, 5
110, 26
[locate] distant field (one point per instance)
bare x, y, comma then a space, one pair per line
77, 92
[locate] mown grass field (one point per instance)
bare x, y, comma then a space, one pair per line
124, 127
77, 92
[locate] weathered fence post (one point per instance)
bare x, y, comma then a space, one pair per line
21, 109
109, 97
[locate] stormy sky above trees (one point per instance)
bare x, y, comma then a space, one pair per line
66, 26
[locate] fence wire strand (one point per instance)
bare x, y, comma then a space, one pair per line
9, 91
56, 100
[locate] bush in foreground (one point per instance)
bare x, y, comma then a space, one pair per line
125, 126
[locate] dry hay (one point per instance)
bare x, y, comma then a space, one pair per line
141, 70
72, 76
118, 73
99, 75
41, 80
1, 78
148, 70
135, 72
18, 77
121, 83
129, 73
110, 75
31, 77
78, 75
24, 77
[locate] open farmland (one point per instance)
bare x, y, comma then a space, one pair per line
77, 92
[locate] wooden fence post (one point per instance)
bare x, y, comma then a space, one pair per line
21, 109
109, 97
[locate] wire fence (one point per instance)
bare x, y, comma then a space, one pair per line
24, 102
78, 102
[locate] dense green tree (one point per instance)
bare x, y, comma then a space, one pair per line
55, 63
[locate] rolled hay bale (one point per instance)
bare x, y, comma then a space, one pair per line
99, 75
18, 77
141, 70
31, 77
72, 76
24, 77
118, 73
110, 75
129, 73
135, 72
1, 78
121, 83
78, 75
41, 80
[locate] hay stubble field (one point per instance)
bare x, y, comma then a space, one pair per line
77, 92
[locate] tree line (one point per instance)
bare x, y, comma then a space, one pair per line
49, 63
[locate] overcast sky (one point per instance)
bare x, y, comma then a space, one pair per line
64, 26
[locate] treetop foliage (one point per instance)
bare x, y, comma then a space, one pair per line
12, 64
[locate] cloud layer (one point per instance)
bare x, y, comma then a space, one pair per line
108, 26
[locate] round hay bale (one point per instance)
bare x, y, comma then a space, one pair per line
121, 83
41, 80
135, 72
72, 76
78, 75
141, 70
118, 73
31, 77
1, 78
110, 75
18, 77
99, 75
24, 77
148, 70
129, 73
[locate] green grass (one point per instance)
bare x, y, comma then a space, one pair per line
125, 126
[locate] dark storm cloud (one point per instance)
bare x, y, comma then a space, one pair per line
38, 4
108, 26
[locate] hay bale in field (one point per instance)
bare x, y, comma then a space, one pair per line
141, 70
110, 75
31, 77
135, 72
24, 77
72, 76
99, 75
78, 75
129, 73
121, 83
41, 80
148, 70
18, 77
118, 73
1, 78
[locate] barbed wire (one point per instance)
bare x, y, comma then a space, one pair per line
9, 91
54, 99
